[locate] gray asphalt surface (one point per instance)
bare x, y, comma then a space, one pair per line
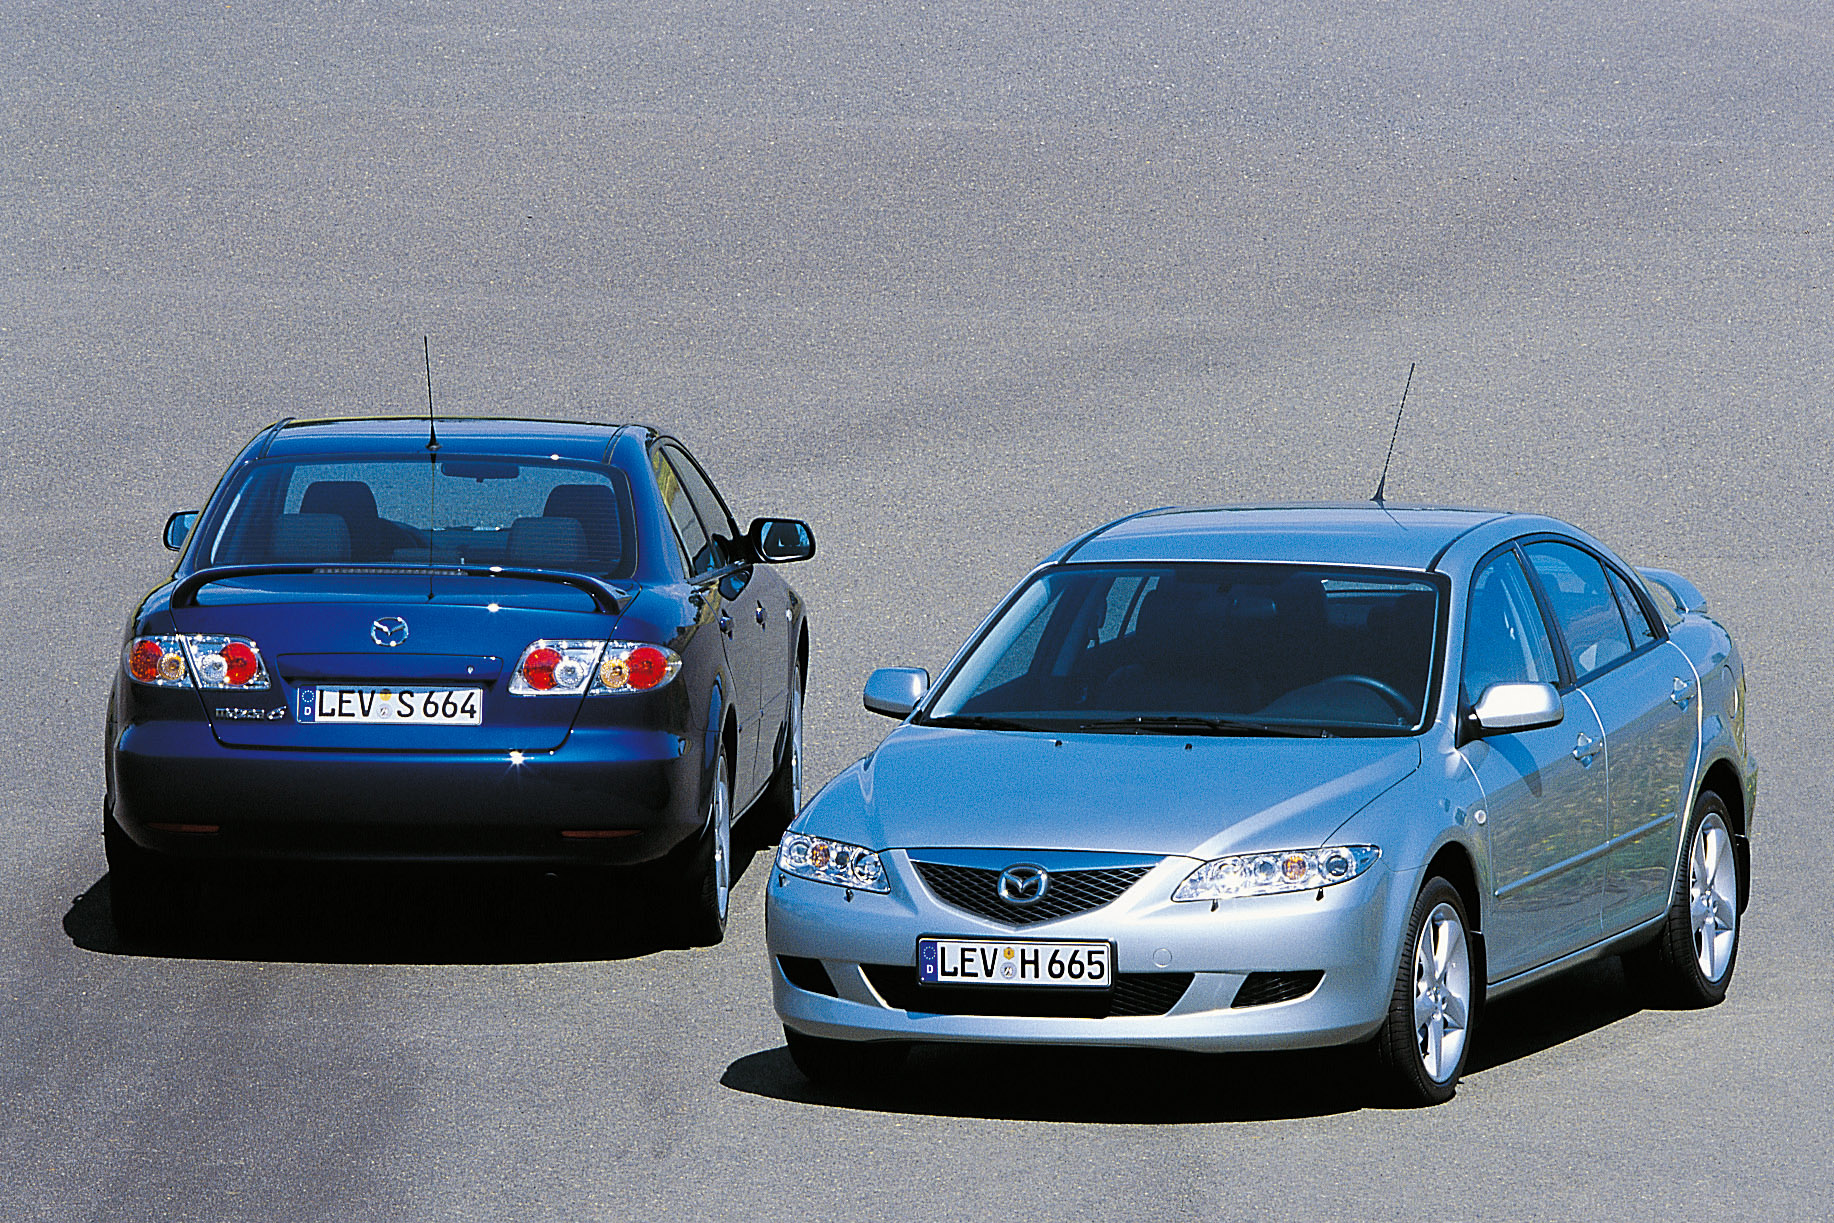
954, 281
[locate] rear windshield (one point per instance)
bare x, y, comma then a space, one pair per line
1228, 649
518, 513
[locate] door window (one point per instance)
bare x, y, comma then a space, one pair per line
1641, 631
1505, 639
709, 542
1583, 605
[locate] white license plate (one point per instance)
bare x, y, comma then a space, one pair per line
964, 961
346, 703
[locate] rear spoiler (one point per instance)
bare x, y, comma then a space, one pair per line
1686, 596
609, 599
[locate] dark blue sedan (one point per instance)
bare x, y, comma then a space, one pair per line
507, 641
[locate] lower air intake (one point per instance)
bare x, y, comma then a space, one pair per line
1267, 988
1135, 993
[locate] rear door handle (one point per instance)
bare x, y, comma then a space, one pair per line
726, 624
1682, 693
1586, 748
760, 613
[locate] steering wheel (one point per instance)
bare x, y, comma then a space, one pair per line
1387, 692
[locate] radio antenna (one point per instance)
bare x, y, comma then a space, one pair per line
1382, 484
426, 356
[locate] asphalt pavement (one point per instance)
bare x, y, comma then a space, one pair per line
954, 282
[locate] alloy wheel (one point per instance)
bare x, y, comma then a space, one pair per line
1713, 897
1442, 992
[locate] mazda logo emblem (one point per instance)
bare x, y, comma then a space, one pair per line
390, 631
1024, 884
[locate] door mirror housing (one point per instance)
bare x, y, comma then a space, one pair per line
1508, 707
178, 526
895, 691
776, 541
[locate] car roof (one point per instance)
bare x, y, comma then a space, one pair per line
458, 435
1355, 533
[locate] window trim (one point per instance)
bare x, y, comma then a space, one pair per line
1569, 672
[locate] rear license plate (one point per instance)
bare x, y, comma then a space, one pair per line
390, 706
963, 961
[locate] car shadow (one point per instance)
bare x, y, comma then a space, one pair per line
1141, 1086
392, 914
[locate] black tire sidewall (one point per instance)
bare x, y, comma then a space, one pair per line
1398, 1057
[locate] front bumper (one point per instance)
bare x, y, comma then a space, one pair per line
1350, 932
407, 806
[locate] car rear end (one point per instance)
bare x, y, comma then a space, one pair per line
427, 657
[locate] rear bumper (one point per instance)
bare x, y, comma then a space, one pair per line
306, 805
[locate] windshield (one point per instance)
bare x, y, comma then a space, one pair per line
518, 513
1203, 648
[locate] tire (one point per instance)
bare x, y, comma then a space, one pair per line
1424, 1042
1690, 961
150, 897
783, 801
845, 1065
703, 891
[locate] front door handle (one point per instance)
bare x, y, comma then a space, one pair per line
1682, 693
760, 613
1586, 748
726, 624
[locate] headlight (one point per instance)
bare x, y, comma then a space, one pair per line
1287, 870
834, 862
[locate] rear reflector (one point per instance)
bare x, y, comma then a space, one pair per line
598, 834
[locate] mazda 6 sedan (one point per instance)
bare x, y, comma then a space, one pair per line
1278, 777
461, 640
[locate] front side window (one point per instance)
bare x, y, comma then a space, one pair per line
1229, 648
1506, 641
1583, 605
391, 510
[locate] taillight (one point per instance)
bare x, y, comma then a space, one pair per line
159, 661
629, 666
559, 668
209, 660
555, 668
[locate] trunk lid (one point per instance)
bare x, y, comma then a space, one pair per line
461, 633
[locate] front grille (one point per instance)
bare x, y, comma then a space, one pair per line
1267, 988
1069, 892
1134, 993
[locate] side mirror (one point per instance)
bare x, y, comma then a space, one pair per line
178, 526
778, 540
895, 691
1505, 707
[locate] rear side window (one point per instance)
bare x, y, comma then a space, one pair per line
1641, 631
1583, 604
406, 511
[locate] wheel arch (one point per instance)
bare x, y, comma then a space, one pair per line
1456, 866
1722, 779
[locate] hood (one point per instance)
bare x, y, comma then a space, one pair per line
937, 787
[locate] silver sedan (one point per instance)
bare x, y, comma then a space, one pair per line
1277, 777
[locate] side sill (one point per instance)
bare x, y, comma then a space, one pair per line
1612, 945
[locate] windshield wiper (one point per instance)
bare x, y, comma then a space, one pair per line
1160, 724
978, 721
